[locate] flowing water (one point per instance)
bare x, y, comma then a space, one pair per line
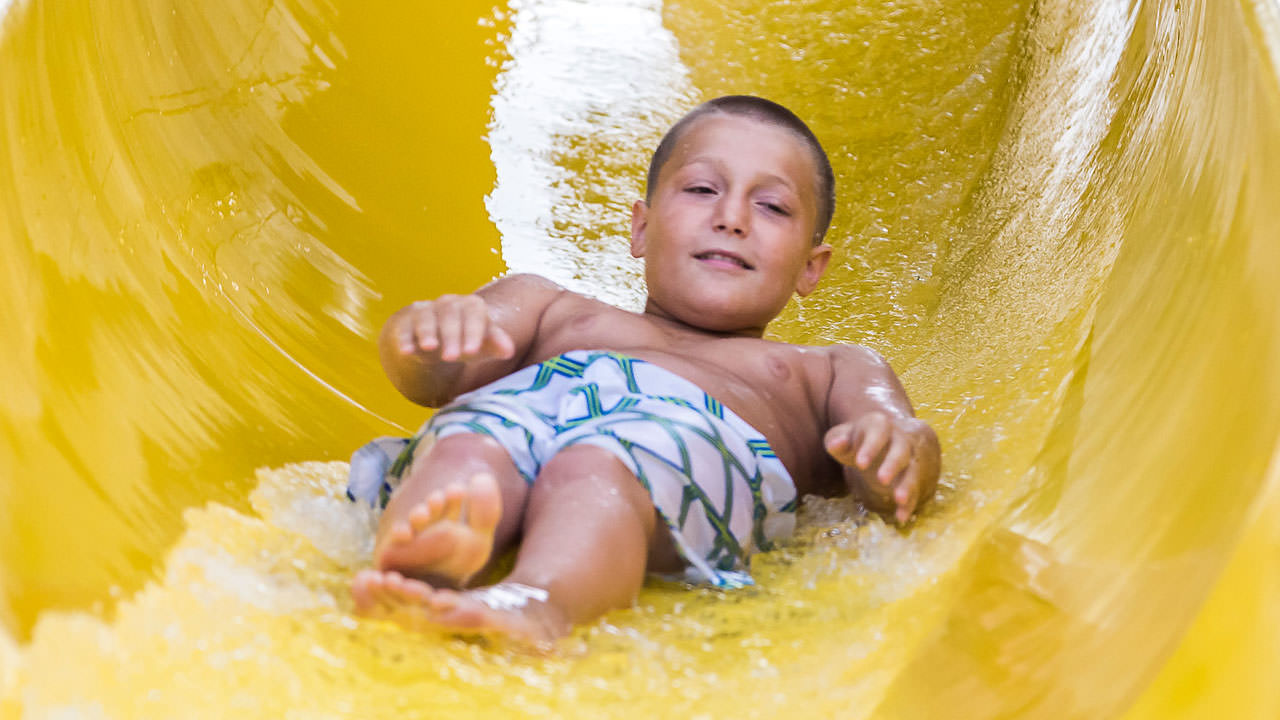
1053, 220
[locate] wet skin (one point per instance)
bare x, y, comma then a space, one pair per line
727, 241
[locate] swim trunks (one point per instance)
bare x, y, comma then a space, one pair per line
714, 480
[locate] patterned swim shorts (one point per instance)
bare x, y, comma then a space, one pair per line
714, 480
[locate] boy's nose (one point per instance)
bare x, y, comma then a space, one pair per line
732, 216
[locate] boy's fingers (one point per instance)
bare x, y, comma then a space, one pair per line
902, 516
895, 460
907, 495
407, 335
456, 327
874, 435
474, 322
426, 329
450, 331
838, 441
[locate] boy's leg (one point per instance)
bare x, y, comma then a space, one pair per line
588, 537
459, 504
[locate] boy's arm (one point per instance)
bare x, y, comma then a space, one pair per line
891, 458
435, 350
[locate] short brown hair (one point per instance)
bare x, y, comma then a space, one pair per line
766, 111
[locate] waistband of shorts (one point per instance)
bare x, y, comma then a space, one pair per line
677, 389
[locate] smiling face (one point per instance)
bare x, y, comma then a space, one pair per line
727, 235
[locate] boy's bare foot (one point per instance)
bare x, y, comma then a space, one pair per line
510, 610
447, 537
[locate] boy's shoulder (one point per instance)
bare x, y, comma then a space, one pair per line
530, 294
537, 290
850, 354
524, 283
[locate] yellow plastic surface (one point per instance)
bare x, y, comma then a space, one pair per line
1057, 219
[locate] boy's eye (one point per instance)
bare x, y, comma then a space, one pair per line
700, 189
775, 208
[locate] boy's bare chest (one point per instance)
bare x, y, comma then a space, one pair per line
723, 366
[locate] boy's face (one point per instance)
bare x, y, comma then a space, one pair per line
728, 235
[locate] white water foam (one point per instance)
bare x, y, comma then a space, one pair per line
10, 659
576, 69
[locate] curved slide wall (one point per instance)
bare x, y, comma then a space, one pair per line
1055, 220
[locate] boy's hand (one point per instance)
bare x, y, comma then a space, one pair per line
450, 328
435, 350
896, 460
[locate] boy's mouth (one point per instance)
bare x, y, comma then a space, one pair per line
720, 256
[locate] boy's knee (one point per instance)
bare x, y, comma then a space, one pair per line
589, 469
582, 462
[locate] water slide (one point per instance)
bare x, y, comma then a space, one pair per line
1053, 221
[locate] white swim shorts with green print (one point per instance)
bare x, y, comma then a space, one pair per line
713, 478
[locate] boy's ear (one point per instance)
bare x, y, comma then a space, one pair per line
639, 222
813, 268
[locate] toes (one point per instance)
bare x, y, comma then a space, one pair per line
416, 591
453, 497
478, 501
442, 601
384, 590
421, 516
372, 594
398, 536
415, 604
400, 532
447, 536
393, 582
436, 502
363, 589
485, 507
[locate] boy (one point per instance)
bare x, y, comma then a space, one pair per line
608, 444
